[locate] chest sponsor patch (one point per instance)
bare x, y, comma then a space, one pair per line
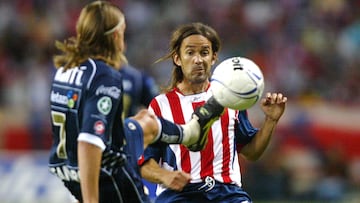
65, 96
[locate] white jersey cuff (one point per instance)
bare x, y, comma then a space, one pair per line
92, 139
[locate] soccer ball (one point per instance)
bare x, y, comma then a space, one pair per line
237, 83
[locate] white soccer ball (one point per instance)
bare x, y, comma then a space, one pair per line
237, 83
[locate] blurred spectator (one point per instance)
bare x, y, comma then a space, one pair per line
332, 185
354, 179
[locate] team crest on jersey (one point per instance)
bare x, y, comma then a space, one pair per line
131, 126
104, 105
99, 127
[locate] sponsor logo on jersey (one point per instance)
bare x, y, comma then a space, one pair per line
72, 98
71, 76
99, 127
196, 98
68, 99
104, 105
56, 97
112, 91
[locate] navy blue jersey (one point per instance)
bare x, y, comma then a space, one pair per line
85, 100
86, 104
139, 89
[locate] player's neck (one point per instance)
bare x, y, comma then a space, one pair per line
187, 88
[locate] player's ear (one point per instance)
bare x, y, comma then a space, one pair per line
176, 59
214, 58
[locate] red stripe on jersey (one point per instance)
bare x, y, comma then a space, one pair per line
207, 163
155, 106
226, 148
175, 107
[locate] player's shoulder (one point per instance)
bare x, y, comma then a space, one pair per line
100, 68
97, 74
165, 98
130, 71
102, 72
161, 96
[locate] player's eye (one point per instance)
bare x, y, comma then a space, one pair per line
189, 52
205, 53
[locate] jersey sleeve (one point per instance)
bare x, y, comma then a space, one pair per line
244, 131
153, 151
101, 107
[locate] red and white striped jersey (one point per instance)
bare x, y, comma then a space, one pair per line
219, 159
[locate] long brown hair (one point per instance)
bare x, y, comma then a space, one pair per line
177, 38
93, 39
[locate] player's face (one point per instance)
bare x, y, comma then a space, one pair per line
196, 58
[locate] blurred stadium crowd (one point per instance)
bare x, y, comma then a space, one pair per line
308, 49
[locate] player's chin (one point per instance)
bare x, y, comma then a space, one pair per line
199, 78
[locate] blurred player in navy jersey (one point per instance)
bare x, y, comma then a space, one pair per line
139, 89
95, 151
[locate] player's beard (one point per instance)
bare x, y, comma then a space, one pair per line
199, 75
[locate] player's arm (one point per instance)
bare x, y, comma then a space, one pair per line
174, 180
253, 150
89, 160
273, 107
99, 112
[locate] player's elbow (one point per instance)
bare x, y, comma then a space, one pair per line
251, 155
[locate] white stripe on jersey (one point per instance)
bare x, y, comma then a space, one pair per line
229, 173
92, 74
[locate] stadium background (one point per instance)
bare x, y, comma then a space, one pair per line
310, 50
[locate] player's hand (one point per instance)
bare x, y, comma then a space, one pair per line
176, 180
273, 105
